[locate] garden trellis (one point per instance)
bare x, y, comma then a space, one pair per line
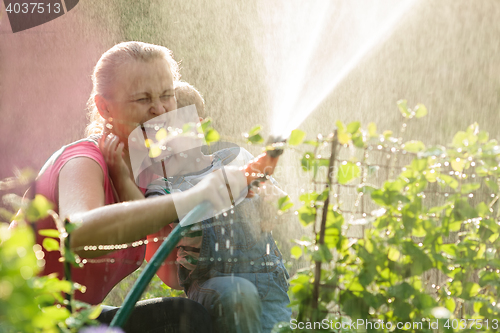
402, 233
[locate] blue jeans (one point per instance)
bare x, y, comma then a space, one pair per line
240, 277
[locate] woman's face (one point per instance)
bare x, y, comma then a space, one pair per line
141, 92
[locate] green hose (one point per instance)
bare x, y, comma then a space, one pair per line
159, 257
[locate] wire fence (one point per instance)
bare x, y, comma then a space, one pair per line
378, 164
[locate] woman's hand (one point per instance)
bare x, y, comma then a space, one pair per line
112, 151
223, 188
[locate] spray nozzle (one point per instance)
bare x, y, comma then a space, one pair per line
263, 166
275, 146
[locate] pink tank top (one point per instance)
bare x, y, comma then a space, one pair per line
98, 275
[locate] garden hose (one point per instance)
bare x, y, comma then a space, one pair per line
158, 258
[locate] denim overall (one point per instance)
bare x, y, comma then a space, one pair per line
236, 251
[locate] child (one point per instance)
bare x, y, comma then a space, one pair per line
226, 263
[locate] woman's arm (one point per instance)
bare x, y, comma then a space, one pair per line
81, 199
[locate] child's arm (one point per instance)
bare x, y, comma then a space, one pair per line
112, 150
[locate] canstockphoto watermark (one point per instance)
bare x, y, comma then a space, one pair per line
363, 324
25, 14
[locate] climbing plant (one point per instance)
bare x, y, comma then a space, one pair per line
434, 216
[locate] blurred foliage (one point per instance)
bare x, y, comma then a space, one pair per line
380, 277
31, 303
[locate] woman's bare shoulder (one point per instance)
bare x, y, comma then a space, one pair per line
81, 186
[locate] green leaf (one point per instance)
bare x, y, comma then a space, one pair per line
483, 136
307, 215
372, 130
296, 252
471, 187
71, 226
284, 203
355, 285
296, 137
340, 126
96, 311
212, 136
50, 244
419, 164
423, 301
403, 108
402, 309
355, 307
70, 257
312, 143
347, 172
470, 290
456, 288
393, 254
49, 233
459, 139
255, 130
450, 304
387, 134
38, 208
283, 200
414, 146
344, 138
50, 316
448, 180
492, 184
420, 111
255, 139
458, 164
477, 307
322, 254
401, 291
491, 278
206, 124
433, 151
358, 141
431, 175
366, 276
308, 161
353, 127
450, 249
306, 198
186, 128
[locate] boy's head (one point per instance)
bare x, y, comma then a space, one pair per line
186, 95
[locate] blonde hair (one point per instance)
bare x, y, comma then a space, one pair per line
186, 95
105, 73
